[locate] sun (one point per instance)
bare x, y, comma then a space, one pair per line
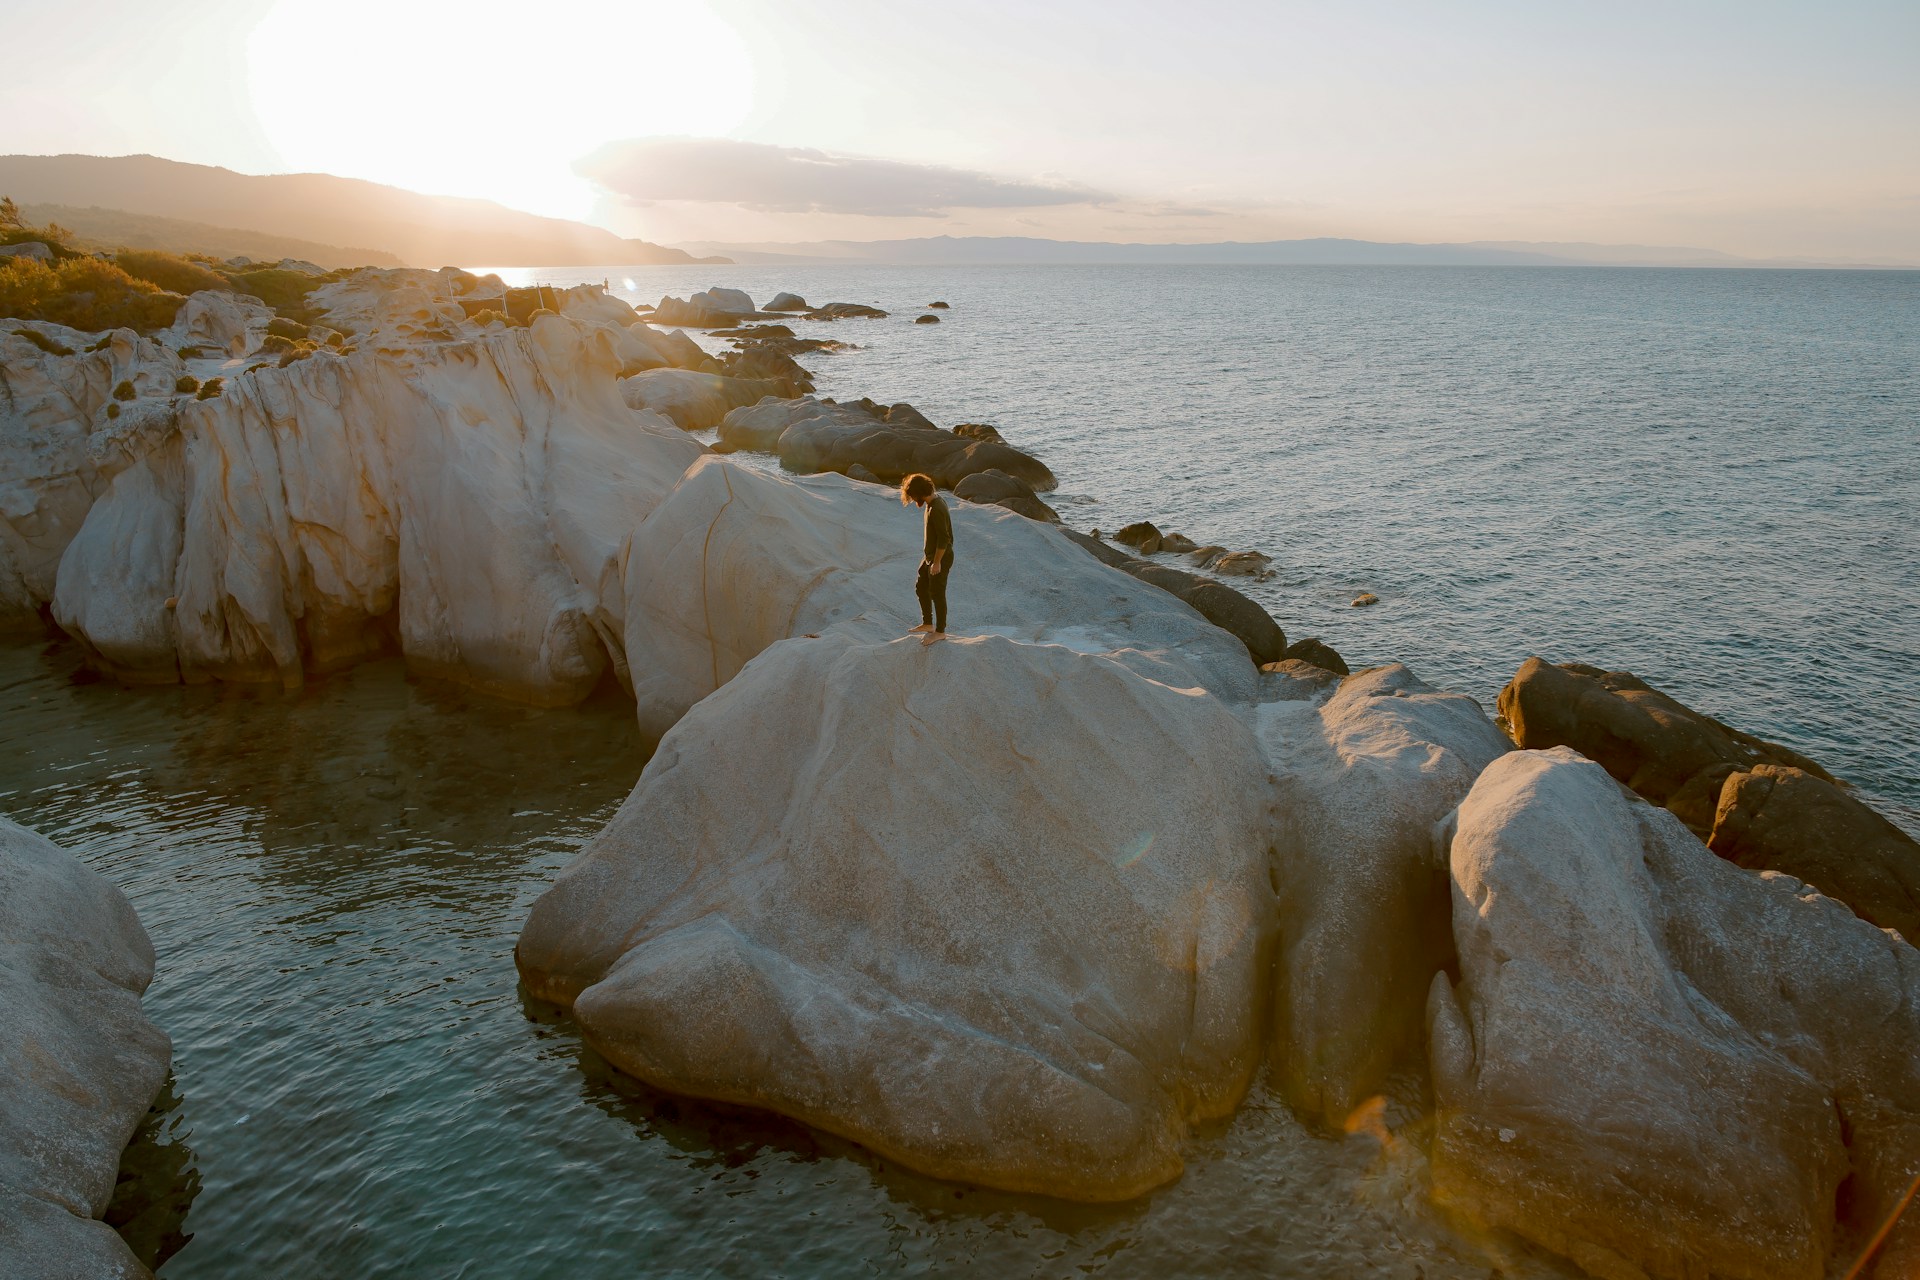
488, 98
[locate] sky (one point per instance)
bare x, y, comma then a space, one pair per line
1756, 128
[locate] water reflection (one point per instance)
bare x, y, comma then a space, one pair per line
157, 1183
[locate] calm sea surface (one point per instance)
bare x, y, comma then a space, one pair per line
1709, 478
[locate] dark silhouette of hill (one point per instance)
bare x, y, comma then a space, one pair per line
420, 230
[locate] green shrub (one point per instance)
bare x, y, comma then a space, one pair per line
124, 391
284, 291
300, 351
113, 408
189, 353
487, 317
280, 327
209, 389
274, 344
185, 383
43, 342
537, 312
336, 340
85, 293
174, 274
102, 344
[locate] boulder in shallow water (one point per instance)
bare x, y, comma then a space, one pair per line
787, 302
1363, 904
1013, 950
1141, 535
893, 451
1655, 1062
1241, 564
79, 1060
928, 319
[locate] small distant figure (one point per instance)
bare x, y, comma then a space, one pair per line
936, 556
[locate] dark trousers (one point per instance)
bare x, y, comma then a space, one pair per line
932, 589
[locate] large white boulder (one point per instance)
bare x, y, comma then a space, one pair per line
470, 498
229, 324
50, 407
1362, 776
997, 910
736, 559
694, 401
1656, 1062
79, 1060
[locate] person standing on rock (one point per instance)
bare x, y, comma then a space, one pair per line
936, 555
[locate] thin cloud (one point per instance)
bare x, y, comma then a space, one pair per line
770, 179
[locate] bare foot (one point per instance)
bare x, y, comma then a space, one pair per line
925, 626
932, 636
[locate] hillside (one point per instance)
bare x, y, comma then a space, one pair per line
420, 230
119, 229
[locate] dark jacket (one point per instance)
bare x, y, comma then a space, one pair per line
939, 528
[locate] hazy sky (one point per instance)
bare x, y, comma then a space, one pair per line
1757, 128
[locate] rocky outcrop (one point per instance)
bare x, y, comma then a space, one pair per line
1013, 950
714, 309
466, 500
1363, 905
1215, 601
1655, 1062
227, 324
891, 442
1776, 818
1761, 804
79, 1059
1002, 490
737, 559
693, 401
787, 302
1321, 654
36, 250
50, 405
1668, 753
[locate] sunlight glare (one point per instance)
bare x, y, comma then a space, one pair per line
490, 99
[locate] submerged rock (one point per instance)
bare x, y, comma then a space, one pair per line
1012, 950
79, 1059
736, 559
1363, 905
1654, 1061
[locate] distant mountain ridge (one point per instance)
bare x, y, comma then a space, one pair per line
1323, 250
419, 230
121, 229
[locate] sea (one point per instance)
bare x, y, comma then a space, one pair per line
1708, 478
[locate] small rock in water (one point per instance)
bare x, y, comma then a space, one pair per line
1202, 557
1179, 542
938, 306
926, 319
1141, 535
787, 302
1364, 599
1239, 564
